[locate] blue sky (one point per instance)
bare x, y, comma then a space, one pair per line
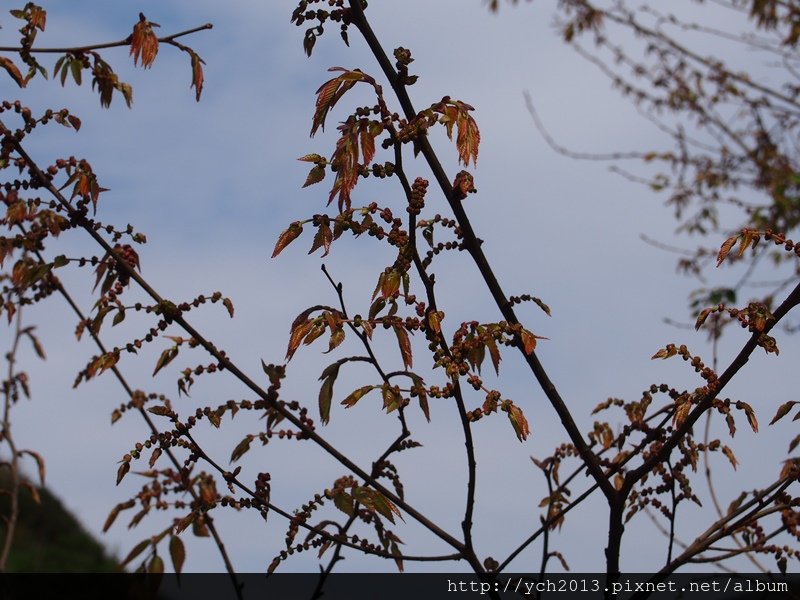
213, 184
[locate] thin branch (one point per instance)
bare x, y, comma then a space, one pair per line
89, 47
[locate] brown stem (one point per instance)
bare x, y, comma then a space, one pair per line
87, 48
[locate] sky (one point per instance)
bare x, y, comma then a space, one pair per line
212, 185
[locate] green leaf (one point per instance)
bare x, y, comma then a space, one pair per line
353, 398
325, 397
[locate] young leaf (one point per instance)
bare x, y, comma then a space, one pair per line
137, 550
494, 354
315, 175
518, 421
435, 321
330, 92
123, 470
468, 137
726, 248
12, 70
783, 410
405, 345
144, 42
241, 448
185, 522
392, 399
322, 239
287, 237
177, 553
390, 283
154, 456
325, 397
354, 397
344, 502
299, 331
197, 75
529, 341
166, 357
730, 456
751, 415
112, 516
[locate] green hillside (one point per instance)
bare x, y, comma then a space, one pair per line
49, 539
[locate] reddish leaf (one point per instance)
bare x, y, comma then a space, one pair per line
731, 457
405, 345
783, 410
683, 405
322, 239
299, 331
197, 76
154, 456
330, 92
494, 354
161, 411
337, 337
229, 305
518, 421
12, 70
112, 516
177, 553
287, 237
122, 471
529, 341
751, 415
468, 138
137, 550
345, 163
315, 175
144, 43
726, 248
701, 318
